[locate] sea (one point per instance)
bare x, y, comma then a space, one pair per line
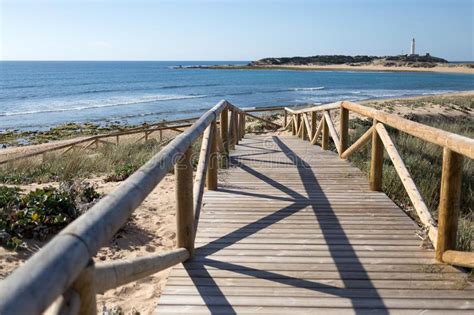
37, 95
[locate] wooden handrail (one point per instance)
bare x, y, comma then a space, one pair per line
317, 108
455, 146
146, 129
457, 143
64, 268
53, 269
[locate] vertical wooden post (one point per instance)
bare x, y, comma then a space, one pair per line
376, 161
294, 125
344, 130
300, 125
146, 136
232, 130
242, 125
314, 122
285, 119
161, 135
117, 139
84, 287
304, 133
325, 136
224, 123
297, 124
184, 202
96, 143
237, 126
449, 202
211, 178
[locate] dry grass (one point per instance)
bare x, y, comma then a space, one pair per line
423, 160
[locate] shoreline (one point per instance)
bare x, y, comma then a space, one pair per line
73, 130
455, 69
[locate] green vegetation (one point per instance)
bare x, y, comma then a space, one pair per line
414, 60
115, 161
60, 132
423, 160
257, 126
41, 212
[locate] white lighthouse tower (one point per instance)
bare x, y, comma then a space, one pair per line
412, 50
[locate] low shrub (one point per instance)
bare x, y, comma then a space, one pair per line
41, 212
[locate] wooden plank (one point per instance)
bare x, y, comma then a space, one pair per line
307, 234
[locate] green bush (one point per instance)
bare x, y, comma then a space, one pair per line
41, 212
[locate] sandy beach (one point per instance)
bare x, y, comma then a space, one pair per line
449, 68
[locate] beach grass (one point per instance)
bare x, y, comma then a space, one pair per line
424, 163
117, 162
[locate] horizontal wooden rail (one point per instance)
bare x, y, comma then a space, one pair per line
117, 273
455, 146
458, 258
457, 143
53, 269
63, 271
92, 139
263, 109
317, 108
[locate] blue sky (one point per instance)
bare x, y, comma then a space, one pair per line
231, 29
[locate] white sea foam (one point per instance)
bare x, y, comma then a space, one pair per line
309, 89
91, 104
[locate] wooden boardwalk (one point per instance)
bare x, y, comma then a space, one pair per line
293, 228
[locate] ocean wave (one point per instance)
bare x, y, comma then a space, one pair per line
109, 103
309, 89
178, 86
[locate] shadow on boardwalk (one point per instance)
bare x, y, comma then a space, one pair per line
209, 290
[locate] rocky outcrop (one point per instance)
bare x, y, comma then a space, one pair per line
401, 60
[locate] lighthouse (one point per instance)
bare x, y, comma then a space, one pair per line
412, 50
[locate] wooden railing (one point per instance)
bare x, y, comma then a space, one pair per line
443, 234
63, 277
92, 142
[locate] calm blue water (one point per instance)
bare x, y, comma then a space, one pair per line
43, 94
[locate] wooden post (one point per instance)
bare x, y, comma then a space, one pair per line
161, 135
184, 202
211, 178
449, 202
231, 130
376, 161
117, 139
224, 123
285, 119
294, 125
237, 126
344, 130
314, 121
241, 125
325, 135
301, 126
297, 124
84, 287
146, 136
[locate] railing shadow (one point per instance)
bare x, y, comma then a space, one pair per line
216, 300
